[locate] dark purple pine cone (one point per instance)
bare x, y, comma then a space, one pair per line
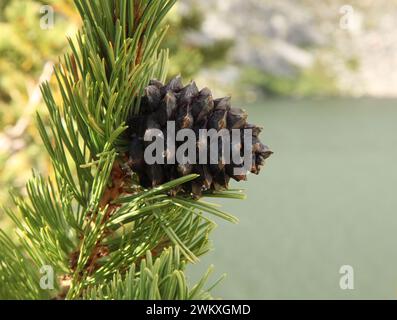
190, 109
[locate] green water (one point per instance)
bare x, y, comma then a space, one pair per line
326, 198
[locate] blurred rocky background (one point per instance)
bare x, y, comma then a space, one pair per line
299, 48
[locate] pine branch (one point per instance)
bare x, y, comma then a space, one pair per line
95, 221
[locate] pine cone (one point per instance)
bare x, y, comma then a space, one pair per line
190, 109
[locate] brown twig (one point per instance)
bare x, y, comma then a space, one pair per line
11, 140
117, 186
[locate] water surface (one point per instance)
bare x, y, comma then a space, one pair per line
327, 198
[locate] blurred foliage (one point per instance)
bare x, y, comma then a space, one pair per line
188, 57
314, 81
353, 63
27, 52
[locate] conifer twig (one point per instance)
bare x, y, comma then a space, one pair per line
104, 235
